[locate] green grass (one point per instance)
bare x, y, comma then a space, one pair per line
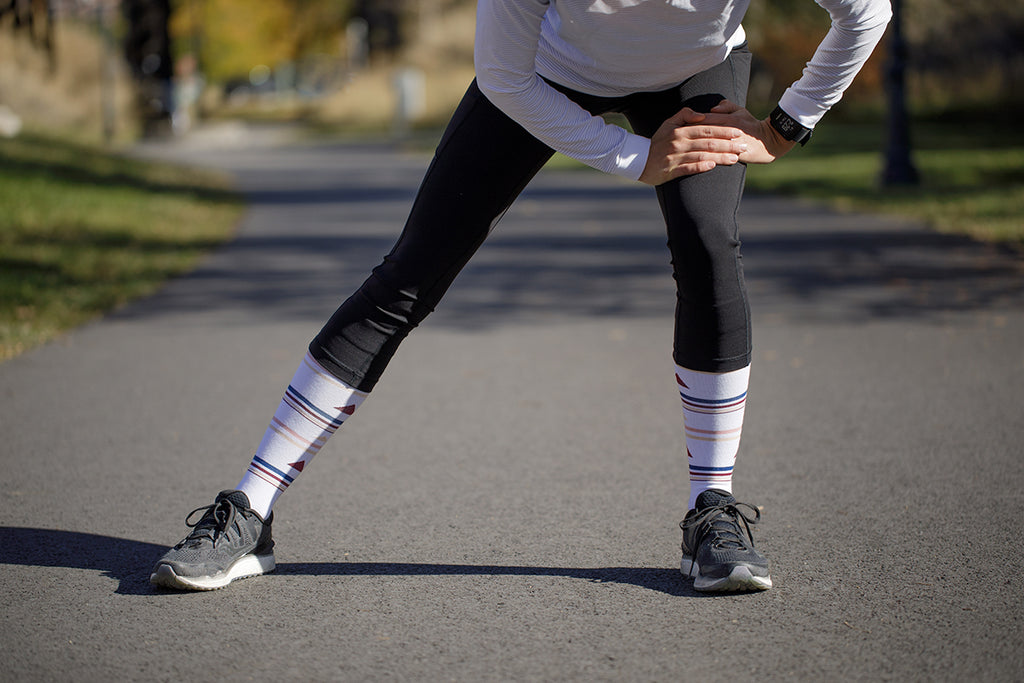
83, 231
971, 175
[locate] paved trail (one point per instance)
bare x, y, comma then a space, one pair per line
504, 507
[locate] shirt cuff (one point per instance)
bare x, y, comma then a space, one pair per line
804, 110
632, 157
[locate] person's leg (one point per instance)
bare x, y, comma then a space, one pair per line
482, 163
712, 333
712, 349
313, 407
713, 407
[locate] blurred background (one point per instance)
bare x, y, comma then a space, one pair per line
113, 70
928, 131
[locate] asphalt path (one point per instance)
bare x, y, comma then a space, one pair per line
505, 505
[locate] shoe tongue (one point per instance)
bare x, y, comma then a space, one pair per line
237, 498
713, 498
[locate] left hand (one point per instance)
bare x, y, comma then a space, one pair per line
764, 144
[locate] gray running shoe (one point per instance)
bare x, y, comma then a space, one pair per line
718, 553
230, 541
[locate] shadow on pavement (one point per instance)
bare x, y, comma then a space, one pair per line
123, 559
851, 275
129, 562
866, 274
652, 578
574, 245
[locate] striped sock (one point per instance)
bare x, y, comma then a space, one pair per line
713, 413
314, 406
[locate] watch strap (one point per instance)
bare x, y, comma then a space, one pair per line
788, 127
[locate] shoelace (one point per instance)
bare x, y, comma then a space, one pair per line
217, 517
723, 522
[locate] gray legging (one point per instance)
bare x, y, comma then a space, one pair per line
483, 162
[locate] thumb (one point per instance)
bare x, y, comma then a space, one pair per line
685, 116
725, 107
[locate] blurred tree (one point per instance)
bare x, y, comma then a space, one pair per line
956, 46
318, 25
233, 36
147, 50
35, 18
962, 51
956, 49
783, 35
385, 19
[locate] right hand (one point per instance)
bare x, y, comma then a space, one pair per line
682, 147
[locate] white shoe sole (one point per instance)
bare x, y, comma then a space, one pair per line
739, 579
243, 568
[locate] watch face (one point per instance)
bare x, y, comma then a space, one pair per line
788, 127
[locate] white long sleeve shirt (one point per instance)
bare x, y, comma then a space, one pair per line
616, 47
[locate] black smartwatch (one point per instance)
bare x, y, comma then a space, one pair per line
788, 127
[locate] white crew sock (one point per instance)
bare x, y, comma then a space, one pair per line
713, 406
314, 406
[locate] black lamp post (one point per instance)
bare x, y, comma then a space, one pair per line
899, 168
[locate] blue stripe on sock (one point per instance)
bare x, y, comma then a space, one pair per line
715, 402
273, 469
297, 395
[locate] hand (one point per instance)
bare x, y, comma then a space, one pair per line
764, 144
681, 146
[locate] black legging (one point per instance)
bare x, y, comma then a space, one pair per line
483, 162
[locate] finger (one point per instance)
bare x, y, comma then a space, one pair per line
712, 144
720, 119
725, 107
697, 167
705, 160
703, 165
693, 132
687, 165
685, 116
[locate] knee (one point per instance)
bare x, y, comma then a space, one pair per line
391, 297
708, 261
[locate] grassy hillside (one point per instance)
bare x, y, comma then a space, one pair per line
83, 231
